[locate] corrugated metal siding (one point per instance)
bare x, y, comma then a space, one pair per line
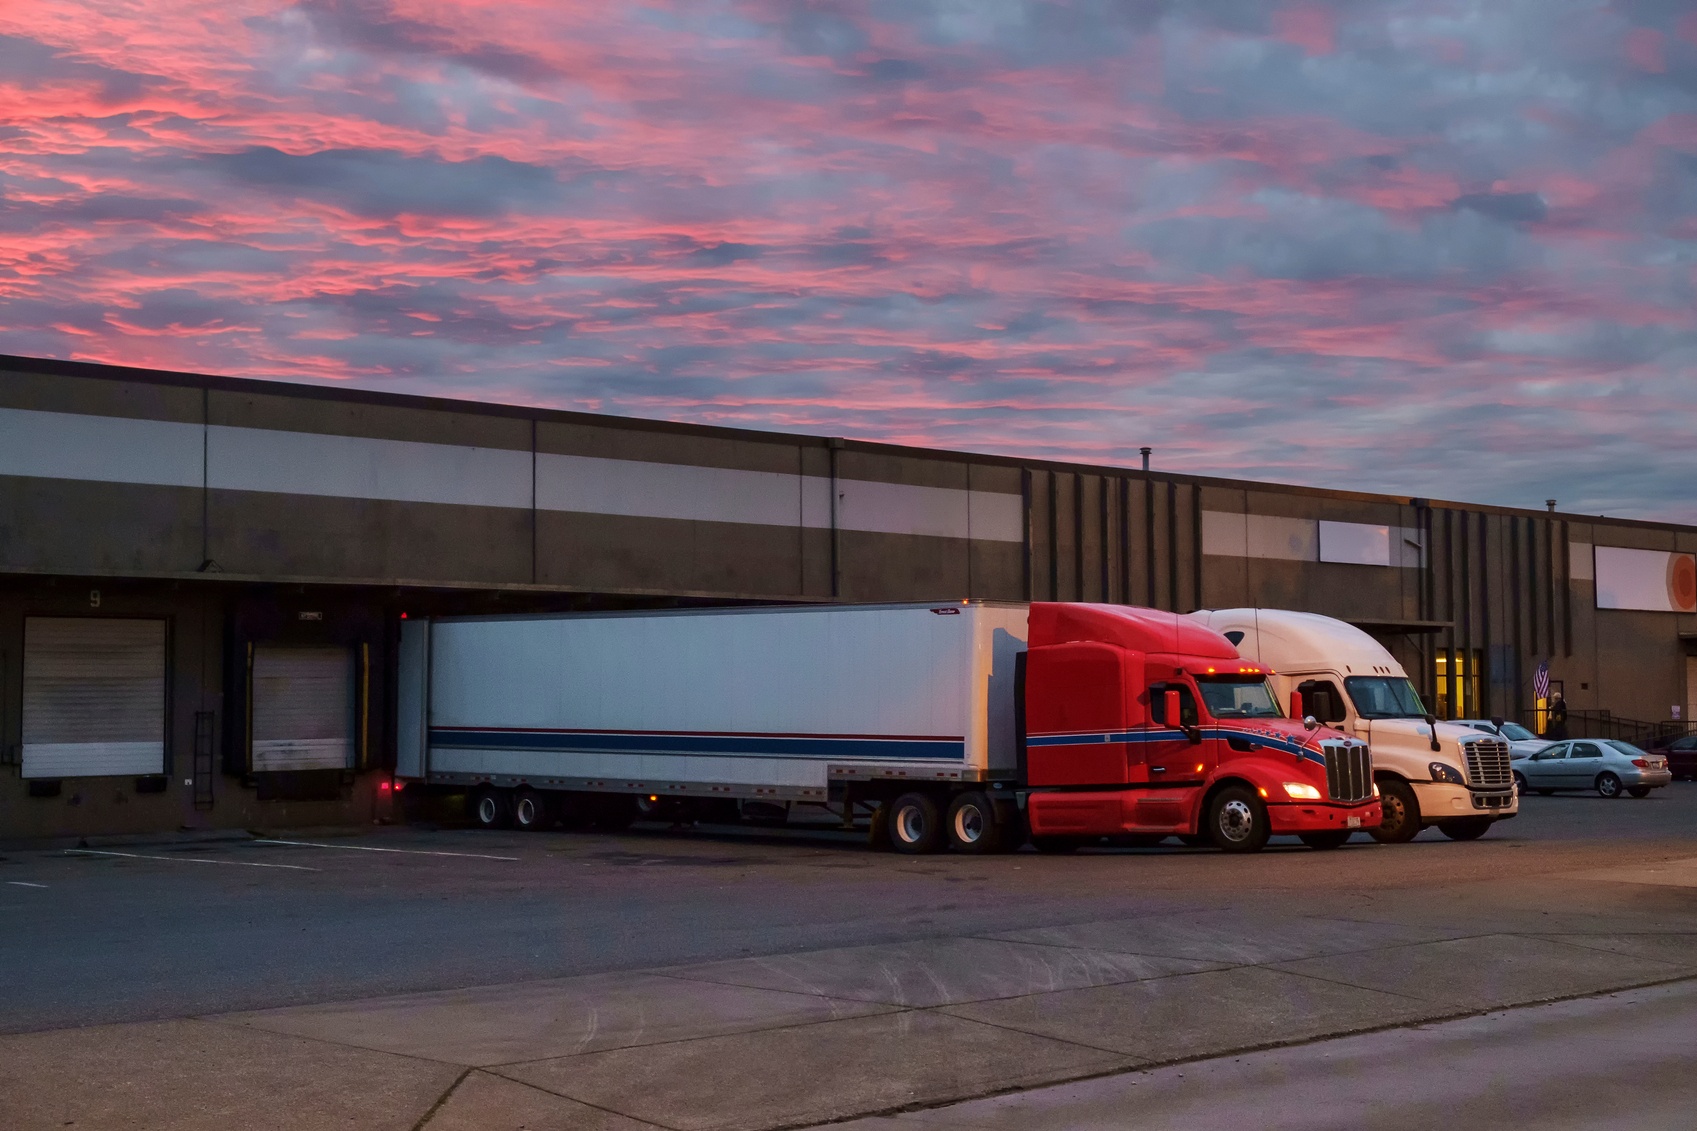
303, 708
93, 697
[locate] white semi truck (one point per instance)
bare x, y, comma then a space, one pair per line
1428, 772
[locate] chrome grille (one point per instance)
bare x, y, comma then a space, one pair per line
1349, 771
1487, 762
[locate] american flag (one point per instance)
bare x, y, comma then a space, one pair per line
1541, 682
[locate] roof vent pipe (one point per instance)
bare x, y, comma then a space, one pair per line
1551, 503
1145, 452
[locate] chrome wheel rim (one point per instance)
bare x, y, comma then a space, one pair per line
910, 824
526, 811
1237, 821
486, 809
969, 824
1608, 785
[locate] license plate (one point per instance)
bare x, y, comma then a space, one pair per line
1353, 822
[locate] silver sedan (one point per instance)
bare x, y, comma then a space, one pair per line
1605, 765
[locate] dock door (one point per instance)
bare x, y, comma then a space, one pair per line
93, 697
302, 708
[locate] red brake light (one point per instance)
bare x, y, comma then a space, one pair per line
1641, 763
383, 785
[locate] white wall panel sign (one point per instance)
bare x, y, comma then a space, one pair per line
1355, 543
103, 449
113, 449
362, 467
1651, 580
303, 708
93, 697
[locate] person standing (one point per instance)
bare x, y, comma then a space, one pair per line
1557, 728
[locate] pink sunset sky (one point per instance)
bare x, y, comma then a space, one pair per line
1428, 247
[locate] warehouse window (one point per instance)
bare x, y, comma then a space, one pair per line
93, 697
1458, 685
302, 708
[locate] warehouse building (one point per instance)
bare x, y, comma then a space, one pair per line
202, 579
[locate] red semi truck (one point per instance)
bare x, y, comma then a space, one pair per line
1146, 724
952, 726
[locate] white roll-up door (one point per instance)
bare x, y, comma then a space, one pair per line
303, 708
94, 697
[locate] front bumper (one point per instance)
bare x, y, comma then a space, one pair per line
1441, 801
1319, 816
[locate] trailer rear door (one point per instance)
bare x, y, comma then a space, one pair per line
93, 697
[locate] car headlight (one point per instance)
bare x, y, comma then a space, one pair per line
1301, 792
1441, 772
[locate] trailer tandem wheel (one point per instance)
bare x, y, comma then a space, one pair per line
916, 825
974, 824
490, 807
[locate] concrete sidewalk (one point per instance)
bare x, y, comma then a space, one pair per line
799, 1039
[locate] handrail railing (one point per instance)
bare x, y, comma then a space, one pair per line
1606, 724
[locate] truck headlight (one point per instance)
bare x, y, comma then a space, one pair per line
1441, 772
1301, 792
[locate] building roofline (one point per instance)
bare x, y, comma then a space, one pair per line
350, 395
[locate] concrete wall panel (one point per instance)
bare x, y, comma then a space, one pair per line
77, 527
358, 540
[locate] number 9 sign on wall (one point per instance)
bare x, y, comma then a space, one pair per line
1653, 580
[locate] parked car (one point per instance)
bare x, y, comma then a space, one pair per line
1605, 765
1521, 741
1681, 752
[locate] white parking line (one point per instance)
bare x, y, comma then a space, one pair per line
186, 859
370, 848
24, 884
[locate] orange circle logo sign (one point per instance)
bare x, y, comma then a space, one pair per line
1682, 582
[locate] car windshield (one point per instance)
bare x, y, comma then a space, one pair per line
1514, 732
1384, 697
1626, 748
1237, 697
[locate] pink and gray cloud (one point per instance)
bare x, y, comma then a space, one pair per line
1435, 247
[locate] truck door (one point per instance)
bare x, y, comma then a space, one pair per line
1172, 757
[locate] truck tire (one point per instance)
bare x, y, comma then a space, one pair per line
1237, 821
490, 808
532, 811
1326, 840
916, 826
1608, 785
1465, 828
973, 825
1401, 822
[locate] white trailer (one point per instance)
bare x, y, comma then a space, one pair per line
815, 704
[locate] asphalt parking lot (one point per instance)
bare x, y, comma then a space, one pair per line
311, 937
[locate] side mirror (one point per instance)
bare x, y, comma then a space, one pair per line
1497, 723
1296, 711
1311, 722
1432, 721
1170, 707
1194, 734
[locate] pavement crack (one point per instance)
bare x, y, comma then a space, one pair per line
574, 1099
440, 1100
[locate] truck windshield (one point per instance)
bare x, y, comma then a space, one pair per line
1384, 697
1229, 698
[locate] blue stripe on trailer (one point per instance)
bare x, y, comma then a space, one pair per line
759, 746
